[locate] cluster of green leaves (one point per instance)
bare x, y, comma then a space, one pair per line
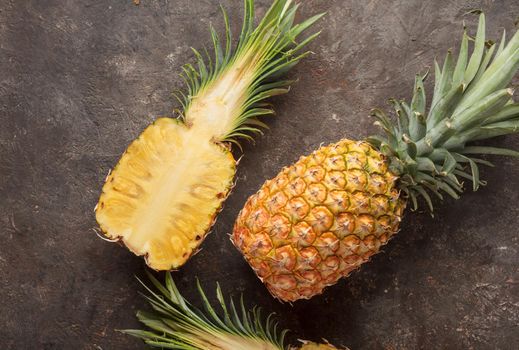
471, 102
176, 324
273, 50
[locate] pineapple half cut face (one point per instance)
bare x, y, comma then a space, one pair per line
163, 196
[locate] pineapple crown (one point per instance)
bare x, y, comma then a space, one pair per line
270, 49
176, 324
430, 148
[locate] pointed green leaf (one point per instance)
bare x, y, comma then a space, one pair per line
418, 103
477, 54
412, 195
461, 64
446, 77
501, 44
510, 111
425, 196
498, 75
490, 150
481, 110
474, 169
449, 163
484, 65
445, 106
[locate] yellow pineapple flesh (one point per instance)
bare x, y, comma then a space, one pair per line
164, 194
319, 219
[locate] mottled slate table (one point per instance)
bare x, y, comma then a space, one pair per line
81, 79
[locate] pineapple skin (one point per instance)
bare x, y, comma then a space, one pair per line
319, 219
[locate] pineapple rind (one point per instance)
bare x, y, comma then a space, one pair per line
319, 219
162, 197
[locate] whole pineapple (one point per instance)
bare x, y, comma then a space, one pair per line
176, 324
164, 194
327, 214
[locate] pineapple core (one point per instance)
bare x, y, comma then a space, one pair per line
214, 111
164, 194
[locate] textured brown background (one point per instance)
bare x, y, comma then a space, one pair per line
80, 79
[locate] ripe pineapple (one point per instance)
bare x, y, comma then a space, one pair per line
327, 214
164, 194
176, 324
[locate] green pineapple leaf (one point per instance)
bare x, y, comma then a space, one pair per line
471, 102
174, 323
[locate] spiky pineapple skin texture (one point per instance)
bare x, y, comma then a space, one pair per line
319, 219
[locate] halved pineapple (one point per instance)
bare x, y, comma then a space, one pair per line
163, 196
175, 324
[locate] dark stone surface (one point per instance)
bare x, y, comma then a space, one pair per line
81, 79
